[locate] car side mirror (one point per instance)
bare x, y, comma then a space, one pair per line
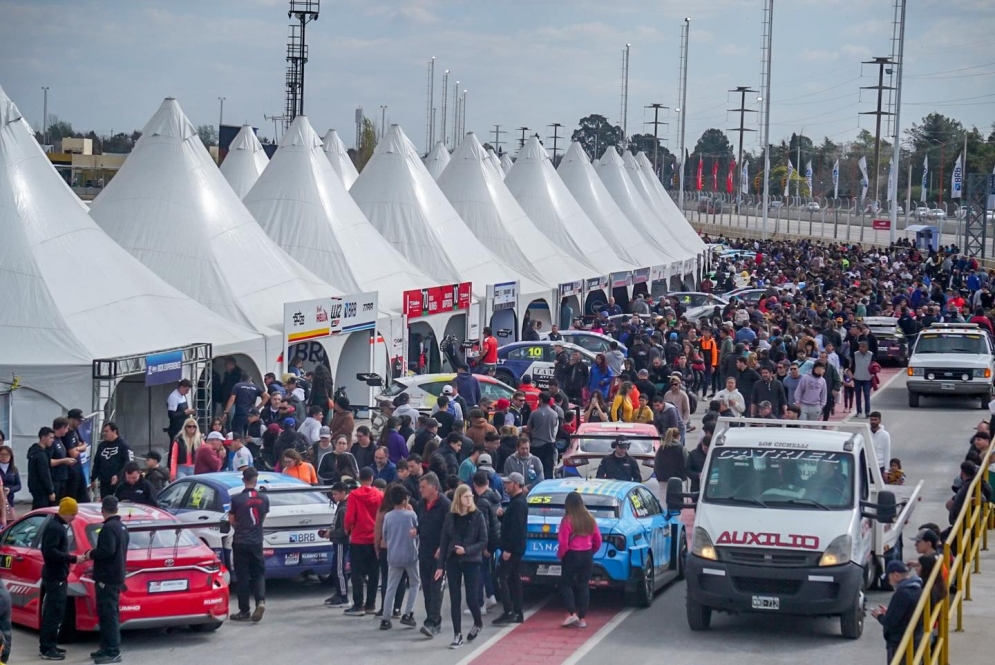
887, 507
225, 527
675, 494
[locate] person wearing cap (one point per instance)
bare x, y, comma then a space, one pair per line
109, 570
927, 543
247, 515
178, 407
322, 448
514, 527
620, 465
54, 575
112, 454
210, 457
135, 488
340, 539
72, 439
485, 463
896, 618
154, 472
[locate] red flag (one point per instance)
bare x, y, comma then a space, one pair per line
715, 175
732, 170
701, 167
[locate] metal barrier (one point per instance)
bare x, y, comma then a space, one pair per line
961, 550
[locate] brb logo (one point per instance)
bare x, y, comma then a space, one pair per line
768, 540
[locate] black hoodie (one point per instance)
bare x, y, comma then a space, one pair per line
39, 471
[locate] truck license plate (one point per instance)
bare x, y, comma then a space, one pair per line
549, 570
946, 385
766, 603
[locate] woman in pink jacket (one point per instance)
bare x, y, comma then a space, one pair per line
579, 539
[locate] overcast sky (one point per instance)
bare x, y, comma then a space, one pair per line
524, 62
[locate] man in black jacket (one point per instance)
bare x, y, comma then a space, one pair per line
514, 525
696, 462
109, 567
54, 573
40, 483
620, 465
895, 620
111, 456
135, 488
431, 515
339, 538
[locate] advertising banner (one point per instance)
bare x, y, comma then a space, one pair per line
436, 300
658, 273
322, 317
619, 279
505, 296
595, 284
162, 368
568, 289
881, 224
641, 276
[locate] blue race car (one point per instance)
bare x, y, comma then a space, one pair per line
643, 548
535, 358
291, 544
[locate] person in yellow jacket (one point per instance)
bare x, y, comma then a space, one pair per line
644, 414
622, 406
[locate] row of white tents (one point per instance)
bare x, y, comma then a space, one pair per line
175, 251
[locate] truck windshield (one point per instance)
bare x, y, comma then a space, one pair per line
936, 343
769, 478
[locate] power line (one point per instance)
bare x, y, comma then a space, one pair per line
819, 92
948, 101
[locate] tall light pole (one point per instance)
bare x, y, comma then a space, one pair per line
383, 120
44, 115
221, 118
896, 148
765, 84
462, 124
685, 34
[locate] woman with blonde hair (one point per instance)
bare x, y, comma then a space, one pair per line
622, 405
671, 458
461, 550
183, 449
578, 540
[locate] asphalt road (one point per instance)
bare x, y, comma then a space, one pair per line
930, 441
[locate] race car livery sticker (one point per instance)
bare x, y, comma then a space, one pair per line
6, 561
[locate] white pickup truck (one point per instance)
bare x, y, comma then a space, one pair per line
791, 519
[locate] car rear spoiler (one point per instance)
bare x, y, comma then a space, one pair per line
175, 527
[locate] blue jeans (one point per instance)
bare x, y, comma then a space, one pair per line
863, 391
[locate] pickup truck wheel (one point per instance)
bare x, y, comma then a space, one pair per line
870, 574
642, 596
699, 616
852, 621
914, 400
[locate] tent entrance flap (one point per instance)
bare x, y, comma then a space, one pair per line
158, 367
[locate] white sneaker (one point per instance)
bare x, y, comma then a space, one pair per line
483, 610
490, 602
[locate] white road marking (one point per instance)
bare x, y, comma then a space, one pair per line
504, 631
598, 637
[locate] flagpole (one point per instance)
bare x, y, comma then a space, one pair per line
686, 29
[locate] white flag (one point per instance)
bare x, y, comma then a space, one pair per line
891, 181
957, 178
744, 186
808, 177
836, 179
925, 179
787, 181
864, 180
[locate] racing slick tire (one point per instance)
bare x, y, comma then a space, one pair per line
504, 376
914, 400
642, 595
206, 627
699, 616
852, 621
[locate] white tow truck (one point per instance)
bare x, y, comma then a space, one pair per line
791, 518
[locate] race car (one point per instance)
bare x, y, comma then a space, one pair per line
643, 545
594, 342
291, 544
593, 442
424, 389
534, 358
173, 579
892, 344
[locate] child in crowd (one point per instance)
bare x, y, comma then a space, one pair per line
154, 473
894, 475
848, 390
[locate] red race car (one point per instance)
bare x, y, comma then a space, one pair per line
173, 578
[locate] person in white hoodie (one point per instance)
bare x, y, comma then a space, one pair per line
311, 427
731, 399
402, 407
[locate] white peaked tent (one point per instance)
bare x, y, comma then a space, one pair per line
550, 206
612, 172
337, 154
645, 188
506, 163
580, 178
304, 207
196, 234
69, 294
437, 160
494, 162
245, 160
405, 204
668, 210
492, 213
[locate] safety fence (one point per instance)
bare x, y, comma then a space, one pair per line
962, 554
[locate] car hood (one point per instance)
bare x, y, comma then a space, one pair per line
948, 360
772, 528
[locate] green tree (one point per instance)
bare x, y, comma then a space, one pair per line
595, 133
208, 135
367, 144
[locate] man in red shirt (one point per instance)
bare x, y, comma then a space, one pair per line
488, 351
210, 456
531, 392
360, 517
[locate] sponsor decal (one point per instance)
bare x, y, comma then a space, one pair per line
131, 608
768, 539
213, 601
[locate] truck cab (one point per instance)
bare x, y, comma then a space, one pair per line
952, 359
791, 519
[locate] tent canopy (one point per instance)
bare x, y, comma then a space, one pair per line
550, 206
195, 233
404, 203
668, 210
506, 163
483, 201
303, 206
580, 178
644, 184
246, 159
437, 160
339, 157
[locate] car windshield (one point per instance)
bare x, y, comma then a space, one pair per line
966, 343
394, 389
589, 342
551, 505
603, 444
139, 540
884, 331
801, 479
